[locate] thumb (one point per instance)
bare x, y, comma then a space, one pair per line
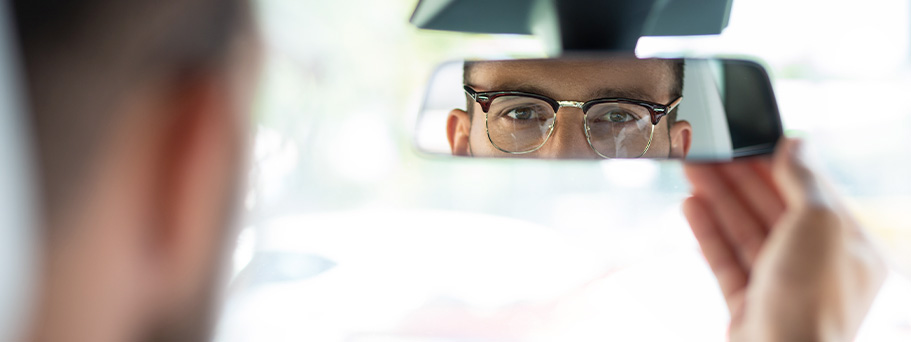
795, 181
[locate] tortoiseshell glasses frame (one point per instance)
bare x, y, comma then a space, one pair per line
656, 112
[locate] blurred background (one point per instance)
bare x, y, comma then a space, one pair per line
349, 234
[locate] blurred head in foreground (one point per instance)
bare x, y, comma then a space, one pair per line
139, 117
615, 107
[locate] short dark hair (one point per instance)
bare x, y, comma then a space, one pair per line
81, 57
676, 66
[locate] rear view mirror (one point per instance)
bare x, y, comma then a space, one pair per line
599, 108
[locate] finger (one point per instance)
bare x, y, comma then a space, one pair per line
801, 187
758, 194
793, 177
741, 227
720, 255
763, 167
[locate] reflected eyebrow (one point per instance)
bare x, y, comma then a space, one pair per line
603, 93
520, 87
631, 93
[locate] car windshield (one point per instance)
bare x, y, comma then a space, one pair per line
350, 235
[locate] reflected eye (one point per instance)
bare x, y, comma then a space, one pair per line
524, 113
617, 117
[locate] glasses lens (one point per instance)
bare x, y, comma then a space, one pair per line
518, 123
618, 129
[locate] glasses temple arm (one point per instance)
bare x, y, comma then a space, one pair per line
674, 104
470, 92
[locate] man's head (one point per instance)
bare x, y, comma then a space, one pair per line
138, 115
617, 127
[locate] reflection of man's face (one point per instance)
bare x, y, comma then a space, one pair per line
653, 81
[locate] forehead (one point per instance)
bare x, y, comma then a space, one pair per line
579, 80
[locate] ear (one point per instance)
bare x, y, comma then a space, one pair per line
681, 138
458, 126
201, 161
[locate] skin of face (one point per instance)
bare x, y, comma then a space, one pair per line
569, 80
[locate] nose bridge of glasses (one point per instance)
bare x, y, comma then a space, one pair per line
568, 138
571, 120
575, 104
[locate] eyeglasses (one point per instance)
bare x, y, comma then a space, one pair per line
519, 122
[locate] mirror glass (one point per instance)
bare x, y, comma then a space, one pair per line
603, 107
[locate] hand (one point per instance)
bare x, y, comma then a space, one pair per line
791, 262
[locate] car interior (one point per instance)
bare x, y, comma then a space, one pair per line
365, 218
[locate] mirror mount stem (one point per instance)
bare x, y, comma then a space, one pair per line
590, 26
570, 26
